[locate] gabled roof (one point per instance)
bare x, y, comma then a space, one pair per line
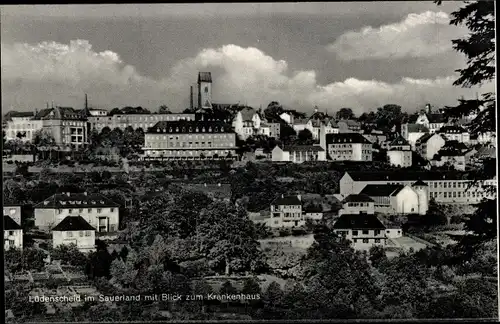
9, 224
358, 221
426, 137
66, 113
189, 126
346, 138
73, 223
76, 200
436, 118
398, 141
300, 121
386, 190
247, 113
287, 200
357, 198
302, 148
18, 114
407, 176
419, 183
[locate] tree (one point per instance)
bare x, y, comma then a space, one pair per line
305, 137
164, 110
227, 288
377, 256
345, 113
479, 49
273, 111
115, 111
69, 254
388, 116
287, 133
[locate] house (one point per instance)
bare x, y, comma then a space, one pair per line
375, 136
12, 234
399, 152
247, 122
431, 120
349, 126
393, 231
346, 147
66, 125
456, 133
298, 153
428, 145
393, 198
97, 210
288, 117
450, 157
189, 140
357, 204
412, 132
443, 187
21, 125
299, 124
286, 211
363, 230
136, 121
313, 212
74, 230
13, 211
269, 129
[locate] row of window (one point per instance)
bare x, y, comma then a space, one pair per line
81, 210
459, 194
166, 117
366, 232
186, 153
196, 136
81, 233
355, 240
188, 144
358, 204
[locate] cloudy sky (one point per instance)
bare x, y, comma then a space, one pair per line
333, 55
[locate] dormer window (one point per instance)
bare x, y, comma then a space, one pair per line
177, 129
203, 129
157, 130
93, 202
170, 129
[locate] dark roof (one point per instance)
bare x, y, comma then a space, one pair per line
20, 114
190, 126
247, 113
312, 208
426, 137
346, 138
76, 200
407, 176
417, 128
204, 77
420, 183
73, 223
287, 200
66, 113
358, 221
357, 198
302, 148
9, 224
134, 111
452, 129
381, 190
399, 141
436, 118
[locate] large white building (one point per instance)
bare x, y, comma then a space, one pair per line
363, 230
455, 133
398, 199
99, 211
21, 125
286, 211
399, 153
298, 153
346, 147
74, 230
429, 144
443, 187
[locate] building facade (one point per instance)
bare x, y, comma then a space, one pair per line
136, 121
286, 211
247, 122
412, 132
66, 125
12, 234
13, 211
190, 140
455, 133
394, 199
21, 125
97, 210
357, 204
399, 153
364, 231
428, 145
297, 153
346, 147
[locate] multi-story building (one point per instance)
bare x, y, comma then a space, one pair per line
445, 157
66, 125
399, 153
12, 234
286, 211
375, 136
396, 199
21, 125
357, 204
431, 120
13, 211
346, 147
428, 145
288, 117
299, 124
97, 210
74, 230
363, 230
297, 153
190, 140
455, 133
270, 129
412, 132
349, 126
443, 187
136, 121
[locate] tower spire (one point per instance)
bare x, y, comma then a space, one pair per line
86, 102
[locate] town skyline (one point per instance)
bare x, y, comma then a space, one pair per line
301, 60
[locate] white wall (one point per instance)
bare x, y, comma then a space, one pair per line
393, 233
82, 239
13, 239
407, 201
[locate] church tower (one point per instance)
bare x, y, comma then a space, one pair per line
204, 90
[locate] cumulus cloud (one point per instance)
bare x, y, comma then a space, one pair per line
418, 35
35, 74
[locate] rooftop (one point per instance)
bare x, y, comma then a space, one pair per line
9, 224
287, 201
408, 176
358, 221
189, 126
205, 77
385, 190
398, 141
452, 129
417, 128
247, 113
73, 223
76, 200
346, 138
66, 113
357, 198
426, 137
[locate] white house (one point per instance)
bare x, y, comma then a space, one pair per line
399, 153
456, 133
21, 125
393, 198
428, 145
287, 117
74, 230
346, 147
299, 124
412, 132
286, 211
363, 230
298, 153
99, 211
357, 204
12, 234
393, 231
247, 122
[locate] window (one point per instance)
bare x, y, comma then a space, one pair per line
365, 232
89, 210
70, 234
70, 210
366, 240
377, 240
354, 240
88, 233
206, 89
354, 233
377, 232
99, 210
112, 210
81, 233
11, 233
80, 210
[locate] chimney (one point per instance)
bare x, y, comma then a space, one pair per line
428, 108
68, 194
191, 98
86, 102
